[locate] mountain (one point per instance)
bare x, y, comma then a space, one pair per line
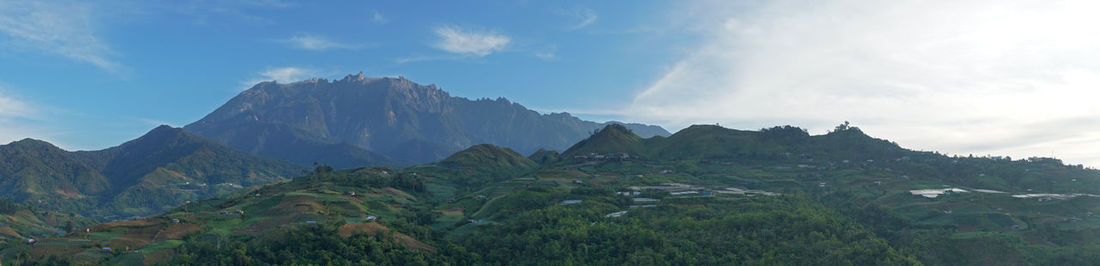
382, 121
152, 173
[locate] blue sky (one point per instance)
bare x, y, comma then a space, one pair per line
964, 77
124, 67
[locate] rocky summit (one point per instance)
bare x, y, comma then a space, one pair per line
359, 120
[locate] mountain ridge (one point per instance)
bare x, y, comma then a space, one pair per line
408, 122
139, 177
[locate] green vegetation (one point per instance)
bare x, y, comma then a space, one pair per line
20, 222
311, 244
697, 231
7, 207
705, 195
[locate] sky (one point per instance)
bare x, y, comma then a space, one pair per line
1002, 78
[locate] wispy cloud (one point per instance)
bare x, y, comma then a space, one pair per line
317, 43
422, 58
378, 18
18, 119
469, 42
978, 82
282, 74
267, 3
547, 53
66, 29
14, 108
581, 15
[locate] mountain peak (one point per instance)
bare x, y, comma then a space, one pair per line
615, 128
165, 130
358, 77
164, 135
32, 143
482, 155
613, 138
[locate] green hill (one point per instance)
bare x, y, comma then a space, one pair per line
609, 141
489, 156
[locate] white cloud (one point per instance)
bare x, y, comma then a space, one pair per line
14, 108
377, 18
547, 53
1011, 78
282, 75
16, 120
583, 16
422, 58
61, 28
316, 43
289, 74
470, 42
